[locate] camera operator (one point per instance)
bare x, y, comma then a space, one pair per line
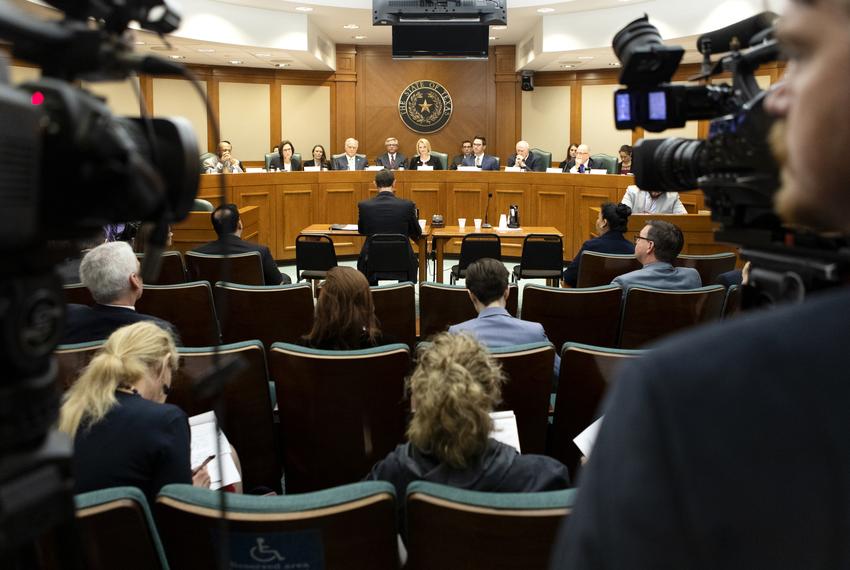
728, 447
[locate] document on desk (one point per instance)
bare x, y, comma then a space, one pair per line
505, 428
344, 227
222, 469
585, 440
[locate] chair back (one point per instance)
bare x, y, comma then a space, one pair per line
314, 256
542, 256
246, 268
586, 373
442, 157
267, 159
77, 293
590, 316
116, 530
171, 269
478, 246
543, 157
605, 161
498, 162
341, 411
649, 314
201, 205
388, 257
187, 306
529, 371
708, 266
71, 359
353, 526
598, 269
732, 304
270, 313
395, 308
204, 158
441, 306
508, 530
249, 422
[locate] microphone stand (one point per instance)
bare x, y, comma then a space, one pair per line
486, 224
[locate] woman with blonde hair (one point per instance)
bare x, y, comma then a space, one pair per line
455, 386
424, 158
124, 433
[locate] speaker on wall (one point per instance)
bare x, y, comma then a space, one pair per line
527, 78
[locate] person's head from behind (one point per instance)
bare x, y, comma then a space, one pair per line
455, 386
658, 241
613, 218
137, 358
625, 154
111, 273
225, 220
384, 180
345, 312
487, 281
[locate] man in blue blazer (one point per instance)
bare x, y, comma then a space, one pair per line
657, 246
487, 281
350, 160
479, 158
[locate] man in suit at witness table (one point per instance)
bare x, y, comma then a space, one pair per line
392, 159
657, 247
525, 160
479, 158
350, 160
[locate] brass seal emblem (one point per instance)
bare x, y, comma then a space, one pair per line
425, 106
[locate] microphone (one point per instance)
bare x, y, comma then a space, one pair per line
737, 36
486, 224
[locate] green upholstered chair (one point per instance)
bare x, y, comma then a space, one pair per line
201, 205
598, 269
450, 527
395, 308
246, 268
605, 161
709, 266
544, 159
442, 305
187, 306
442, 157
352, 526
267, 158
72, 358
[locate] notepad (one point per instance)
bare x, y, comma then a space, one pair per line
468, 168
505, 428
344, 227
554, 170
585, 440
312, 168
425, 167
513, 169
222, 469
374, 168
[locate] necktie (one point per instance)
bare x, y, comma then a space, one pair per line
478, 161
581, 169
392, 161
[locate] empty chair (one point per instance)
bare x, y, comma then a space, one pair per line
270, 313
600, 268
590, 315
340, 411
187, 306
389, 258
450, 527
542, 258
71, 359
708, 266
77, 293
649, 314
527, 391
732, 303
605, 161
475, 247
246, 268
395, 308
352, 526
543, 157
248, 421
441, 306
171, 269
314, 255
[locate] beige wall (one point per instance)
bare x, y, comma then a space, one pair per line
177, 98
546, 119
245, 118
19, 74
305, 117
597, 120
120, 96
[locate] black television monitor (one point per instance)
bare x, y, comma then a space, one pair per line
445, 41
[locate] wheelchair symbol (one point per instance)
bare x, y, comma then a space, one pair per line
264, 553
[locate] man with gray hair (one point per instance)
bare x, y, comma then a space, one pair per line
111, 274
351, 160
524, 159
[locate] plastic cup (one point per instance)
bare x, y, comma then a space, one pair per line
461, 222
477, 224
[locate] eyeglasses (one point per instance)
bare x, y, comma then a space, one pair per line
641, 237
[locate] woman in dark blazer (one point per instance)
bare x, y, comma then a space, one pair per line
319, 158
570, 161
284, 159
610, 225
424, 158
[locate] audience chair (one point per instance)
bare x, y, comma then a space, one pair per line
187, 306
451, 527
352, 526
389, 258
441, 306
395, 308
248, 421
314, 256
77, 293
171, 269
590, 315
341, 411
527, 391
71, 359
605, 161
544, 159
732, 303
442, 157
116, 530
542, 258
649, 314
708, 266
475, 247
597, 269
586, 373
201, 205
270, 313
245, 268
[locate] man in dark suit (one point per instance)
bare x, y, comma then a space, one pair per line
525, 160
387, 214
727, 447
479, 157
110, 272
228, 227
465, 151
392, 159
350, 160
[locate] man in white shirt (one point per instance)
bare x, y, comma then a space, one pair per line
350, 160
643, 202
478, 158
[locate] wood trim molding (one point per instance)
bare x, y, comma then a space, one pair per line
213, 113
146, 89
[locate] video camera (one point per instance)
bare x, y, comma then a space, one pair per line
734, 165
69, 168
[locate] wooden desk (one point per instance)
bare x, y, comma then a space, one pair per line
349, 237
197, 229
511, 239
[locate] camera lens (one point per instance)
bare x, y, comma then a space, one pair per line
671, 164
646, 60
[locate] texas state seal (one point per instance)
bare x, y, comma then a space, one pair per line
425, 106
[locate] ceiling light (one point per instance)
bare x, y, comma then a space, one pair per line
206, 50
585, 57
304, 8
351, 27
235, 61
263, 54
358, 37
499, 27
139, 43
177, 56
545, 10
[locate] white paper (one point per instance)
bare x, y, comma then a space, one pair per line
554, 170
462, 168
347, 228
513, 169
374, 168
203, 429
255, 170
425, 167
312, 168
598, 171
585, 440
505, 428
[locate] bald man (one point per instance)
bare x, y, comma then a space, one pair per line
525, 160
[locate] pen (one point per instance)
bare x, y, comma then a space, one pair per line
204, 464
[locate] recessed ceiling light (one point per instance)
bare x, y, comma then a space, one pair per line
177, 56
585, 57
235, 61
494, 37
351, 27
499, 27
263, 54
139, 43
304, 8
567, 66
358, 37
206, 50
545, 10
